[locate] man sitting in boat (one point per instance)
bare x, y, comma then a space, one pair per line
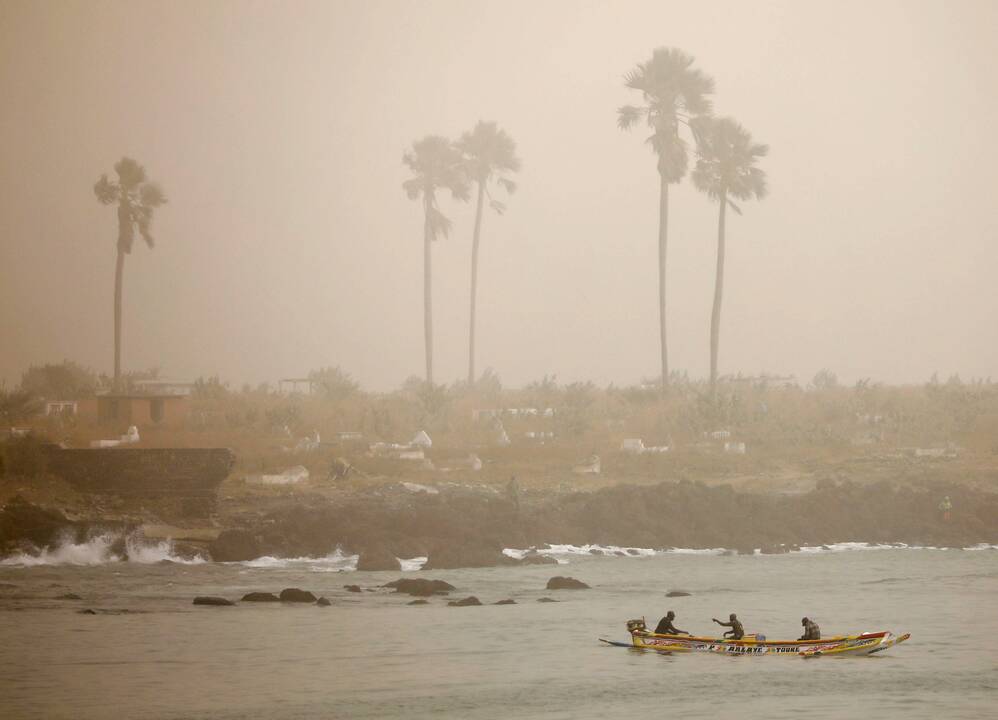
737, 632
811, 630
665, 626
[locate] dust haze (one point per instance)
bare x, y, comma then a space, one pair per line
277, 132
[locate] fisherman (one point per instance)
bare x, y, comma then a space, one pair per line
665, 626
945, 507
811, 630
737, 632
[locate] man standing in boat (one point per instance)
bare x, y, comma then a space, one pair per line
811, 630
665, 626
737, 632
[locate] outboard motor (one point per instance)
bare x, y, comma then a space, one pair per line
636, 626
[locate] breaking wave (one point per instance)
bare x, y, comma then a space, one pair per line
336, 561
100, 550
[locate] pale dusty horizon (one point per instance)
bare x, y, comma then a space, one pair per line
288, 243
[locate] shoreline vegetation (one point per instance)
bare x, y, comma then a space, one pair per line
762, 463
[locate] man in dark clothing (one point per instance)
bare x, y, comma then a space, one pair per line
665, 626
811, 630
737, 632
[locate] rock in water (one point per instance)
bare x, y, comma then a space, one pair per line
260, 597
418, 602
352, 588
69, 596
507, 601
537, 559
677, 593
87, 611
235, 546
378, 557
546, 599
323, 602
296, 595
207, 600
466, 555
420, 587
566, 583
466, 602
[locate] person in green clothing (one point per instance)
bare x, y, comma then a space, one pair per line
945, 506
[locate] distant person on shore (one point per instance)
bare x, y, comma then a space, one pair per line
945, 507
737, 632
665, 626
811, 630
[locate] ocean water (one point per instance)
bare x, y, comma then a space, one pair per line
149, 653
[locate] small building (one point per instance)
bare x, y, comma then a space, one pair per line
143, 409
61, 407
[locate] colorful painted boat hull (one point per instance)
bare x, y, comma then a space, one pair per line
839, 646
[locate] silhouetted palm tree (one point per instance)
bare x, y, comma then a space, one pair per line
435, 164
489, 154
726, 169
136, 200
674, 94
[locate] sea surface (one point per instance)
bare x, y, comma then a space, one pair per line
149, 653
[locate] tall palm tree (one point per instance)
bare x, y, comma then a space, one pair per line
726, 169
435, 164
137, 199
490, 155
674, 94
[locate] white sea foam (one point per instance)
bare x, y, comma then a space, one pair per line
411, 564
100, 550
336, 561
982, 546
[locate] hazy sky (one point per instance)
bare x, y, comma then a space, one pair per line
277, 131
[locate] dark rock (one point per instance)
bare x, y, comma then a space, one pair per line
260, 597
418, 602
566, 583
677, 593
507, 601
296, 595
23, 522
352, 588
207, 600
536, 559
378, 557
87, 611
420, 587
546, 599
68, 596
466, 602
235, 546
467, 555
323, 602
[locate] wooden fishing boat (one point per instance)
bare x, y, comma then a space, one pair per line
837, 646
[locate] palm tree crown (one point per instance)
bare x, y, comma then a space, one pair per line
435, 163
726, 162
490, 155
674, 93
136, 199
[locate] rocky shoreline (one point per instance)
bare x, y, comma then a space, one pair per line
455, 529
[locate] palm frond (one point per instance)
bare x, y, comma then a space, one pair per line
105, 190
151, 195
506, 184
130, 173
628, 115
499, 207
440, 224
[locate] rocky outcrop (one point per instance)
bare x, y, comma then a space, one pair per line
467, 555
22, 522
296, 595
68, 596
677, 593
323, 602
420, 587
508, 601
418, 602
235, 546
208, 600
546, 600
534, 558
377, 557
469, 601
566, 583
260, 597
352, 588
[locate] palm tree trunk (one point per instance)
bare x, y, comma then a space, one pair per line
428, 288
715, 315
118, 273
663, 238
474, 282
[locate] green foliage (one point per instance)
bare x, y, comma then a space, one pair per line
332, 383
63, 381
